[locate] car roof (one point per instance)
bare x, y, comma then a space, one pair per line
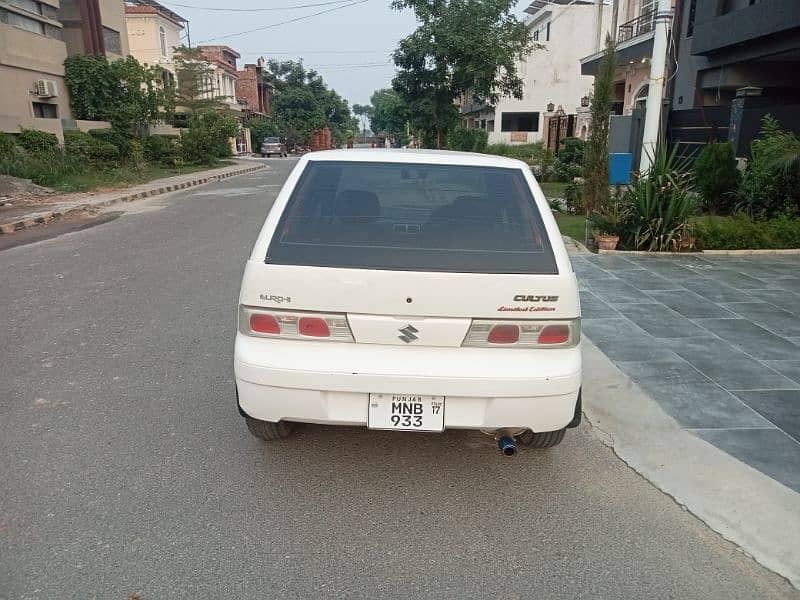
432, 157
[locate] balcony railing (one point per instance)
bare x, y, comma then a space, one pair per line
638, 26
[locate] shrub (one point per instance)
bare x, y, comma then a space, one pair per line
467, 140
7, 145
740, 232
77, 144
573, 198
768, 187
103, 152
716, 177
543, 163
41, 169
206, 139
524, 152
114, 137
38, 142
613, 218
161, 149
661, 203
569, 163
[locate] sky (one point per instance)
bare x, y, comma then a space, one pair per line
350, 47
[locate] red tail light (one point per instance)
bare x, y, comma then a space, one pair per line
294, 325
261, 323
554, 334
487, 333
504, 334
313, 327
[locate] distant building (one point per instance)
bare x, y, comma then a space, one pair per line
94, 27
566, 30
32, 53
154, 31
223, 60
252, 91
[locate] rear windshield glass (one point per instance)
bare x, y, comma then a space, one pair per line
416, 217
272, 141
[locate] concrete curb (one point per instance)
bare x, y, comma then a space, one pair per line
755, 512
42, 218
790, 251
581, 248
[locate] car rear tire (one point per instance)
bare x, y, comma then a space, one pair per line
268, 431
544, 439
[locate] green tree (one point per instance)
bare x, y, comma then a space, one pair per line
207, 138
389, 113
595, 166
716, 176
298, 113
461, 49
263, 128
91, 86
125, 92
303, 103
196, 88
141, 97
771, 182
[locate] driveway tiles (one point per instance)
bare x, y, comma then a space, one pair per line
770, 316
714, 339
769, 450
691, 305
751, 339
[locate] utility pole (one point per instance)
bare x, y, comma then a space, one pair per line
655, 91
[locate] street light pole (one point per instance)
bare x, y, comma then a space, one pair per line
655, 91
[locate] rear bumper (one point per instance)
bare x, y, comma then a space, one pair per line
330, 383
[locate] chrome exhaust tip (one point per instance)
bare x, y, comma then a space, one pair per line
507, 445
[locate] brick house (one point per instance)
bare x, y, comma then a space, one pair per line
252, 91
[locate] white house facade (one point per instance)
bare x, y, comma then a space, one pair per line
566, 31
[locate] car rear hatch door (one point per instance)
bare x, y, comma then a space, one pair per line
412, 254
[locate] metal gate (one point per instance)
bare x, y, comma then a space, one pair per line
559, 128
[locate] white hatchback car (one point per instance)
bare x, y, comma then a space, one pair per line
410, 291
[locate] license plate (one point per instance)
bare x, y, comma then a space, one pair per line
406, 412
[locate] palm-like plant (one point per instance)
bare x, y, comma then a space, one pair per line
660, 204
786, 153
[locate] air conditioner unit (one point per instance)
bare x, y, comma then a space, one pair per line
46, 88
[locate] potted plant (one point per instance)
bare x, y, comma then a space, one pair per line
606, 241
608, 223
684, 240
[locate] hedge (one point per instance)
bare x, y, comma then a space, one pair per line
743, 233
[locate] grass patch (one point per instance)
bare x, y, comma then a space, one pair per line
553, 189
573, 226
121, 177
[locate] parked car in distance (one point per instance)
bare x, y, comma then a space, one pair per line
273, 145
410, 290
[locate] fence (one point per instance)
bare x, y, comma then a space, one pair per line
692, 129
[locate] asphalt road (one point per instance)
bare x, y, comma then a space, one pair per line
126, 468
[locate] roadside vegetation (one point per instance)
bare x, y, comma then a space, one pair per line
705, 202
131, 97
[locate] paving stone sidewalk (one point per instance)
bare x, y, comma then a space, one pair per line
714, 339
89, 201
